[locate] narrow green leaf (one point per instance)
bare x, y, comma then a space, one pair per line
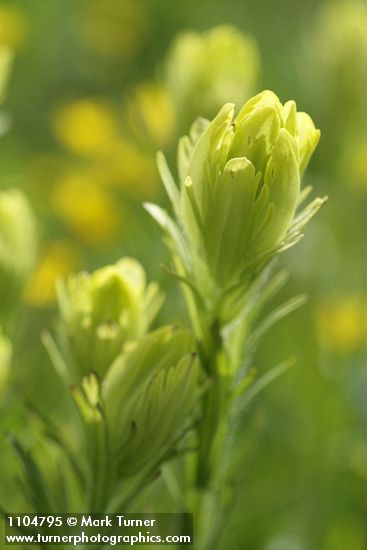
168, 181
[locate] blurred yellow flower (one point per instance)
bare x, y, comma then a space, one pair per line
113, 28
87, 208
85, 127
151, 113
89, 129
341, 325
13, 26
57, 260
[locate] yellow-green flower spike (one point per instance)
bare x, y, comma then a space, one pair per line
103, 310
240, 187
149, 397
242, 183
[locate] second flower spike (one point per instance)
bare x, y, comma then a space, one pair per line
101, 311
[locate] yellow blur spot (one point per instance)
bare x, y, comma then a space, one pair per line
57, 260
88, 128
342, 325
13, 27
85, 127
113, 28
87, 208
151, 113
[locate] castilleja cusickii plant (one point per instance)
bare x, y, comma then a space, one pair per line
141, 397
236, 206
238, 194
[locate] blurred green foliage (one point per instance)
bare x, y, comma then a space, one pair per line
85, 111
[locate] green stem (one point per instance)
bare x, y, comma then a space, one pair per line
213, 428
212, 405
100, 482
